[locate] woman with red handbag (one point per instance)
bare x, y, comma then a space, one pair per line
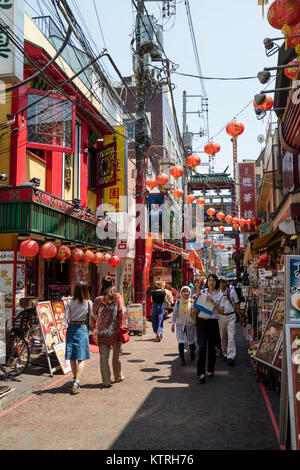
108, 321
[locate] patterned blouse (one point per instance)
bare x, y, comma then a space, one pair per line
106, 319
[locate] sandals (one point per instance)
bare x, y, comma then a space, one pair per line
202, 378
76, 387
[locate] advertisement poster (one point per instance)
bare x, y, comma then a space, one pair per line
135, 317
293, 363
292, 288
6, 287
48, 325
60, 351
59, 313
20, 284
269, 350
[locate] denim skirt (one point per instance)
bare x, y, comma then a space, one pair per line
77, 343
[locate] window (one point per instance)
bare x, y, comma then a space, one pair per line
50, 123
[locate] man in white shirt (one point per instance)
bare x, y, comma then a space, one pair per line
227, 321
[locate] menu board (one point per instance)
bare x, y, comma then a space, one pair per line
292, 288
293, 366
59, 313
58, 292
60, 351
2, 330
48, 325
135, 317
269, 350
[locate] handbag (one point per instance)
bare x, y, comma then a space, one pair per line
87, 321
123, 334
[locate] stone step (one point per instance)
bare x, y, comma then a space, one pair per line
7, 398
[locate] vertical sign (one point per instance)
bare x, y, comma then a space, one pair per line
12, 23
247, 192
292, 289
293, 366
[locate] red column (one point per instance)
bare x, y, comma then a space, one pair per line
84, 164
54, 174
18, 139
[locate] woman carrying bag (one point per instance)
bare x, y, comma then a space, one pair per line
77, 339
158, 297
108, 321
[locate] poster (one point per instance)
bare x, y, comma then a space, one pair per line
292, 288
59, 313
6, 287
293, 366
20, 284
135, 317
269, 350
48, 325
60, 351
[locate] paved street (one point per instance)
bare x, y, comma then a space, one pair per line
160, 405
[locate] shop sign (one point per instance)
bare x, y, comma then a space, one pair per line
11, 62
7, 256
292, 288
2, 330
247, 193
115, 194
135, 317
293, 370
58, 292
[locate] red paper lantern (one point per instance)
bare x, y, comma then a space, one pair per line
207, 242
268, 103
114, 260
98, 259
162, 178
29, 248
222, 247
215, 245
76, 255
107, 257
48, 250
207, 229
190, 198
228, 248
235, 220
274, 16
228, 219
220, 216
235, 128
178, 193
88, 256
193, 161
235, 227
211, 212
242, 222
63, 253
151, 184
212, 148
294, 42
176, 171
200, 201
292, 72
221, 228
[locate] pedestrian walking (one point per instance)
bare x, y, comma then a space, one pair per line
185, 326
77, 313
208, 328
158, 296
108, 316
227, 321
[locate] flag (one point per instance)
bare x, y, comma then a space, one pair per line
195, 260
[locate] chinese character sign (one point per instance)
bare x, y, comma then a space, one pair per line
292, 288
247, 192
12, 23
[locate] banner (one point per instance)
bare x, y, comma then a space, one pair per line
247, 192
149, 250
11, 61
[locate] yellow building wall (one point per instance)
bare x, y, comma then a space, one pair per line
35, 168
8, 242
5, 108
92, 200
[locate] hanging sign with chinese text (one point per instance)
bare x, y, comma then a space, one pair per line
11, 24
247, 192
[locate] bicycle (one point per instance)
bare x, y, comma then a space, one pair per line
17, 354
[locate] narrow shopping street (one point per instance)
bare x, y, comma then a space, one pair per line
160, 405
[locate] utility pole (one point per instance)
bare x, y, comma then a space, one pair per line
140, 243
184, 188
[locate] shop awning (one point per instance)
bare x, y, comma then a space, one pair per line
266, 240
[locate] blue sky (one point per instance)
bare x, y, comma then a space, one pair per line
229, 36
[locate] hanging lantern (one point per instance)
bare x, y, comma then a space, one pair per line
220, 216
211, 212
242, 222
98, 260
200, 201
235, 220
207, 242
63, 253
268, 103
88, 257
107, 257
235, 128
162, 179
274, 18
292, 71
228, 219
178, 193
29, 248
215, 245
48, 250
222, 247
235, 227
294, 42
212, 148
176, 171
228, 248
151, 184
221, 228
114, 260
76, 255
248, 222
192, 161
207, 229
190, 198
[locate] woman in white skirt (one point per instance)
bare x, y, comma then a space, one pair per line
185, 327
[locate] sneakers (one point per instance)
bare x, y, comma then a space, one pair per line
218, 352
230, 362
